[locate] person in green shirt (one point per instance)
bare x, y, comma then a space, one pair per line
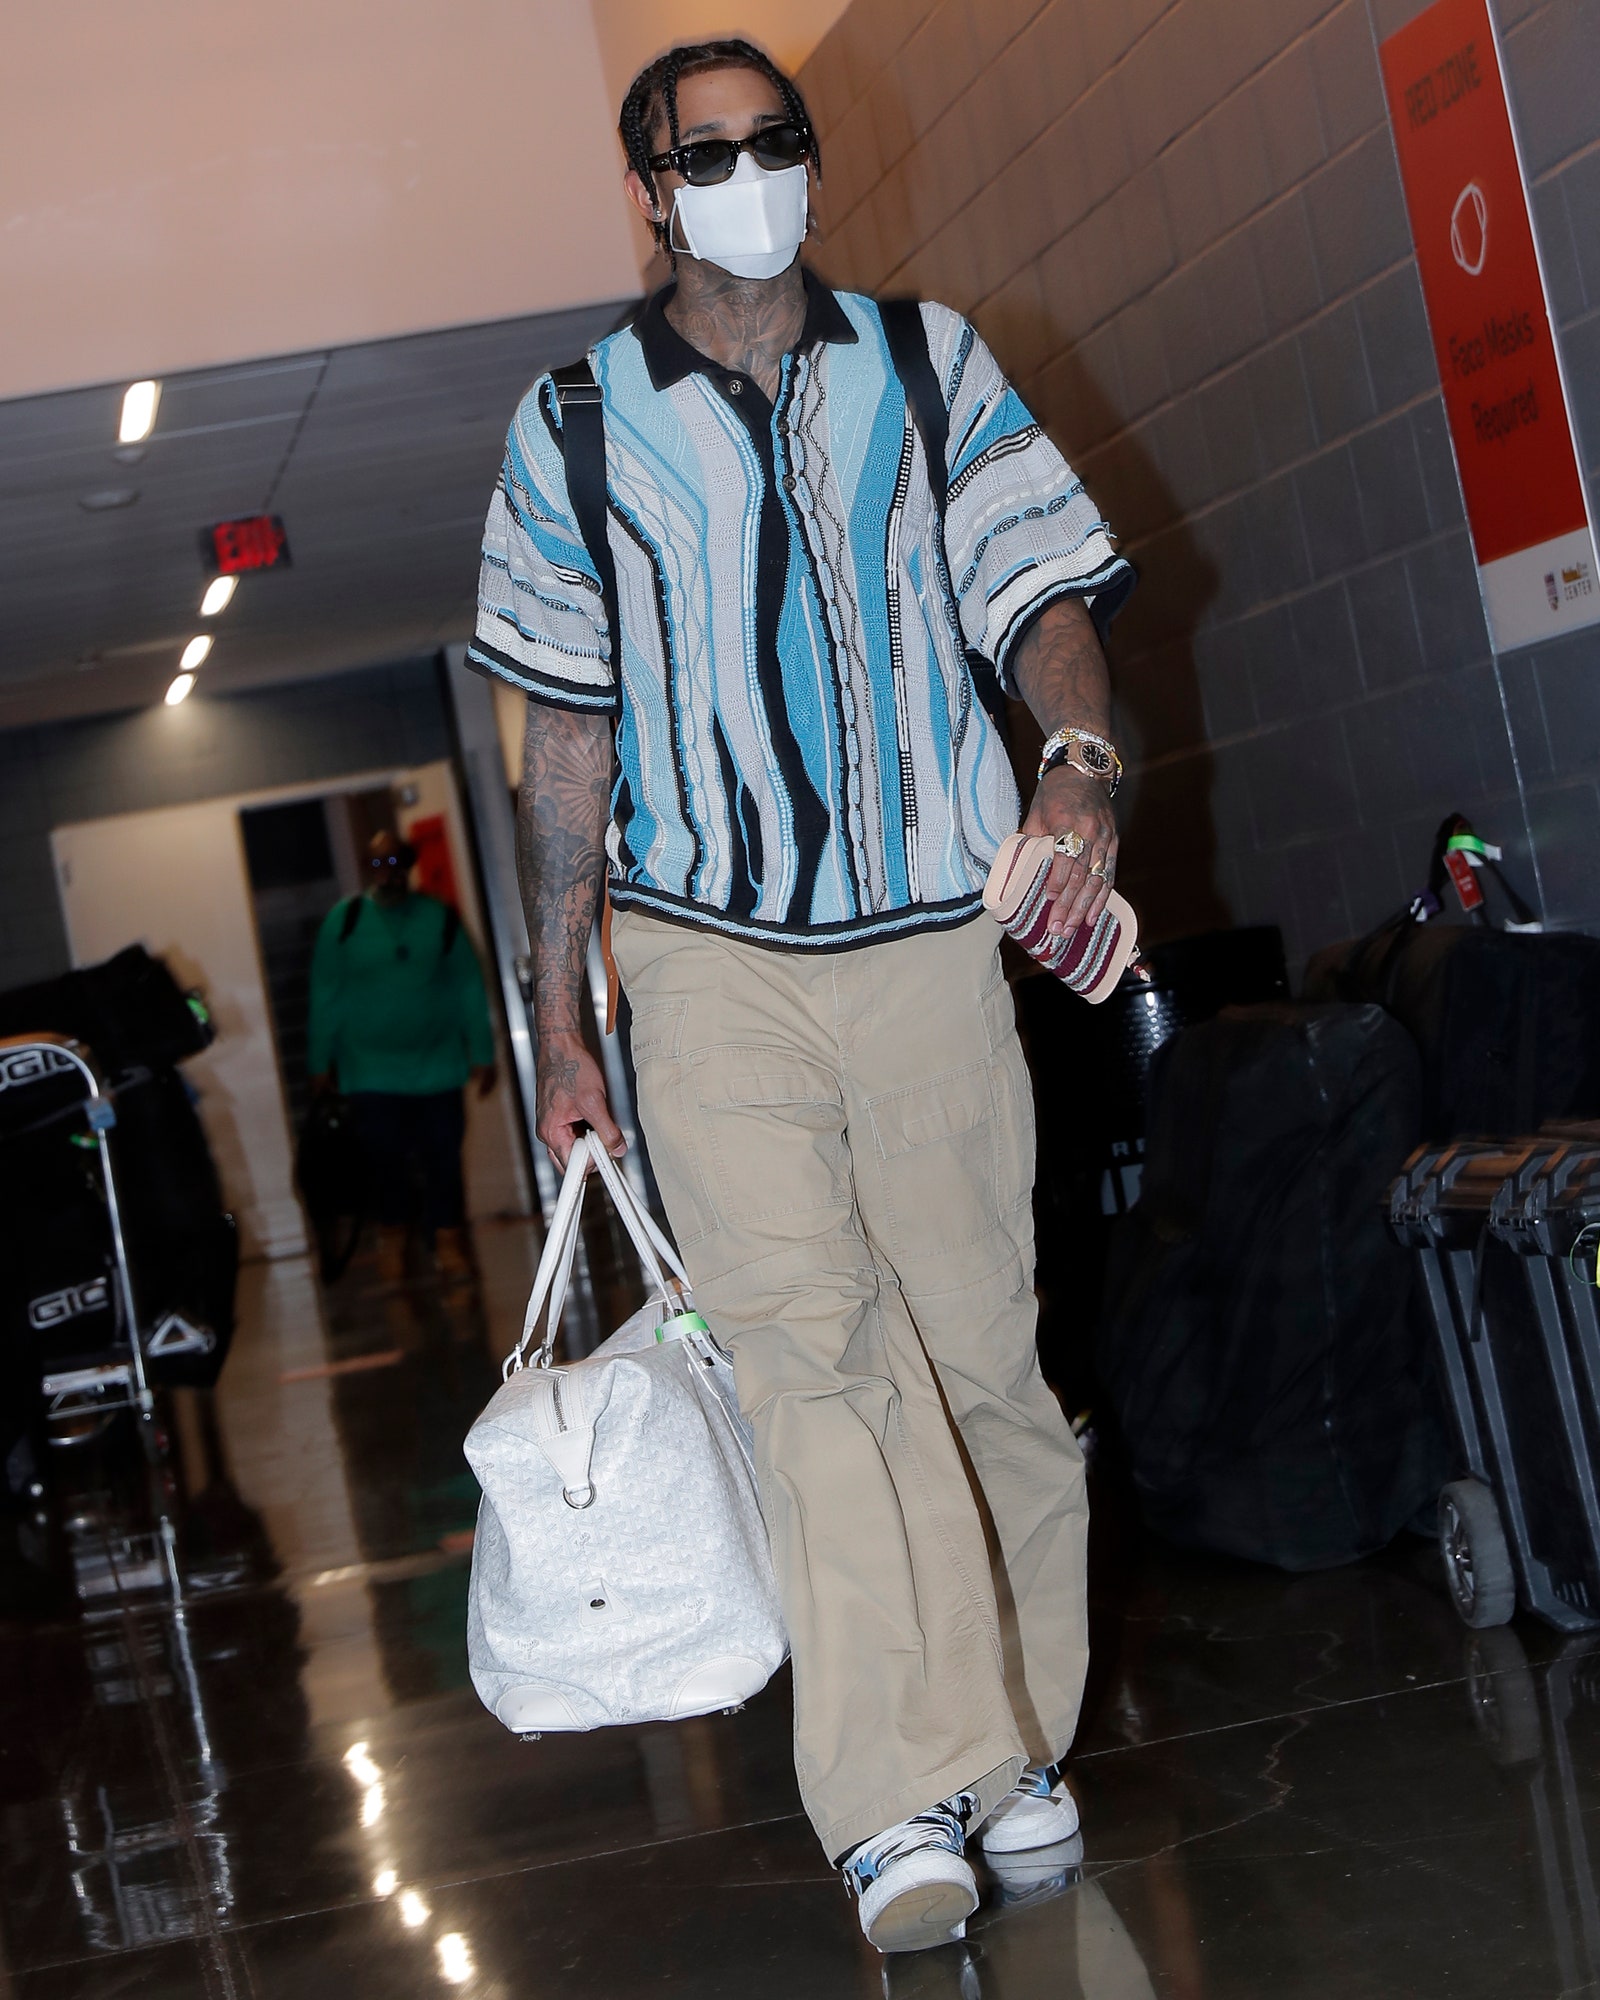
399, 1020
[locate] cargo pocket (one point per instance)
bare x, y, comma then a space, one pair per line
935, 1144
774, 1128
656, 1028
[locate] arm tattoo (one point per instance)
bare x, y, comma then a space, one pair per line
1061, 670
745, 324
561, 820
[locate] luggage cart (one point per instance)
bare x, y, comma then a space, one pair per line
37, 1075
1507, 1235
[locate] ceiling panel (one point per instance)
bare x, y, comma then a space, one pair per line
380, 458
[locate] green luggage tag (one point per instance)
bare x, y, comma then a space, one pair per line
681, 1324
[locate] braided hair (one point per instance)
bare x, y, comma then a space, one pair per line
653, 97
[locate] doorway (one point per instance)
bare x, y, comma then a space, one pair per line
178, 880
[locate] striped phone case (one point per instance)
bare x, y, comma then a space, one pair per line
1091, 959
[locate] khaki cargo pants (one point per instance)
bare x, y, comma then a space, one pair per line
844, 1143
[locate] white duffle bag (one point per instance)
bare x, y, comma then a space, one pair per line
621, 1570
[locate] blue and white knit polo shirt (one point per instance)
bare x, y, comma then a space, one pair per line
802, 759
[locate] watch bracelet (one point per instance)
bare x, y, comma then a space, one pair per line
1059, 748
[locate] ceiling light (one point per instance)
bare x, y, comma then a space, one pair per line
194, 655
385, 1882
219, 595
372, 1805
413, 1910
455, 1958
179, 688
139, 406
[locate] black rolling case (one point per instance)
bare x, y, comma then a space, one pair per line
1270, 1382
1507, 1235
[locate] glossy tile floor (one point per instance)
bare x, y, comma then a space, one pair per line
240, 1756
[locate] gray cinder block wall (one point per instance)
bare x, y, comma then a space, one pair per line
1180, 224
378, 719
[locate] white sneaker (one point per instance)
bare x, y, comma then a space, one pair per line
1036, 1874
914, 1887
1038, 1811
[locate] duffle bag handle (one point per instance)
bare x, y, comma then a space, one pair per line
556, 1259
554, 1274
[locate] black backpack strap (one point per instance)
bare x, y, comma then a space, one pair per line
583, 445
352, 917
449, 931
907, 336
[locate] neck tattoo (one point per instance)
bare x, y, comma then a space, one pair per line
747, 324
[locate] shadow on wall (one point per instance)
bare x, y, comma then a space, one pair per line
1167, 807
1167, 867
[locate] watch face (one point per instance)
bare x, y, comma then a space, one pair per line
1096, 758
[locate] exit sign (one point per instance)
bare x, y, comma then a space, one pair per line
256, 542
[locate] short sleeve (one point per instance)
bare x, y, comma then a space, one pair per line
1020, 531
541, 622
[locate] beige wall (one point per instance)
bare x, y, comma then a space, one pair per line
189, 183
631, 32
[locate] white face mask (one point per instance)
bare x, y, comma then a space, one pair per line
751, 225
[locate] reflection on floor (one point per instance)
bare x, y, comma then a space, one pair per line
240, 1756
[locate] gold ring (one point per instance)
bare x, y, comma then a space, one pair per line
1069, 843
1097, 868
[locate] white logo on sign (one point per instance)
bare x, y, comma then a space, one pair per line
1469, 229
176, 1336
29, 1065
72, 1303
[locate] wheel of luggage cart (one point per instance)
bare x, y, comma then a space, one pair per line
1477, 1561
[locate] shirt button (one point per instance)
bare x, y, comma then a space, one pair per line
735, 387
789, 482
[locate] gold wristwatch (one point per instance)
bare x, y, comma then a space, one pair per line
1082, 750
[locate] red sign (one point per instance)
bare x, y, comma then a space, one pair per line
435, 870
257, 542
1486, 304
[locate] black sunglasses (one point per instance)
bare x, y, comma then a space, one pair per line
705, 162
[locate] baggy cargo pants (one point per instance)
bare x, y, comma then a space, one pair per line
844, 1144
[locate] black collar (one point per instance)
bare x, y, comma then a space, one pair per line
670, 358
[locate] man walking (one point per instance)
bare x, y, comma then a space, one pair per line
753, 717
399, 1017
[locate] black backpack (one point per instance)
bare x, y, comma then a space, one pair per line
1507, 1021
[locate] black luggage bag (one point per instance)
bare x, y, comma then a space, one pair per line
128, 1010
1271, 1385
1508, 1024
1507, 1237
135, 1022
334, 1175
183, 1251
58, 1301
